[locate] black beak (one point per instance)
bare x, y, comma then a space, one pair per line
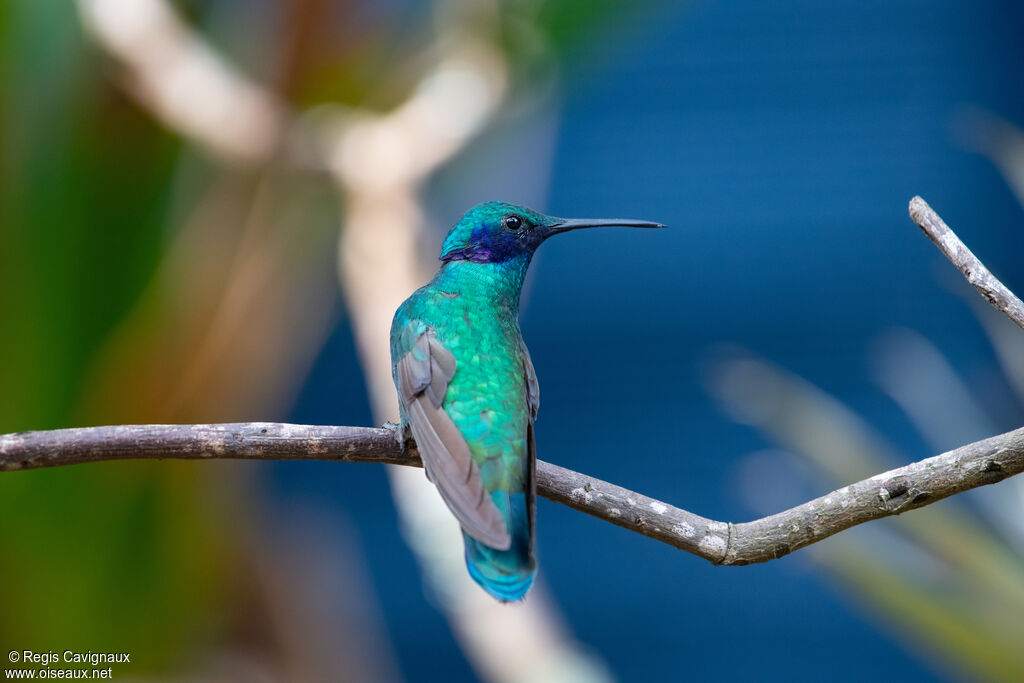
567, 224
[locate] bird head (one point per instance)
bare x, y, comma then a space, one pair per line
495, 232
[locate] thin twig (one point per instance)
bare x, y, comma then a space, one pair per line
890, 493
994, 291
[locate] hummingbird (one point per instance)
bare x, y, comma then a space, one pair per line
467, 390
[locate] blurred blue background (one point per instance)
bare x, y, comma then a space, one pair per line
781, 144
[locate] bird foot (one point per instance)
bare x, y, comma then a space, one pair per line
400, 432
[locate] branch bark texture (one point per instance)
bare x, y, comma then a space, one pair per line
994, 291
890, 493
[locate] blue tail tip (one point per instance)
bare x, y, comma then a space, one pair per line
502, 586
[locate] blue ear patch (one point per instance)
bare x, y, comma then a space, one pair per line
487, 245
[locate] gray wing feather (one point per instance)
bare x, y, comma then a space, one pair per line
533, 399
531, 484
532, 385
415, 374
423, 376
442, 369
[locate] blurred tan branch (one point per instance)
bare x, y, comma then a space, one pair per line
378, 162
185, 83
890, 493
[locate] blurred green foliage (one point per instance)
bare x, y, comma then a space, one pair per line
82, 196
106, 556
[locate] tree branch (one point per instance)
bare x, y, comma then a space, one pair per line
913, 486
994, 291
890, 493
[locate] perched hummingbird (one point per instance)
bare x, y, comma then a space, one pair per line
467, 389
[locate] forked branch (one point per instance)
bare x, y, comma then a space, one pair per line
906, 488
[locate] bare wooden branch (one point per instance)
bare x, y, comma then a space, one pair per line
233, 441
890, 493
994, 291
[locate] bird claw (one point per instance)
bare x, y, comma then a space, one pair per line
400, 432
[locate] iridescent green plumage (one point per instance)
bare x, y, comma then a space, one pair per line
467, 390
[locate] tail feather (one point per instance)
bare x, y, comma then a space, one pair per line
505, 574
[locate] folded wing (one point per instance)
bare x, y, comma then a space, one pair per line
423, 376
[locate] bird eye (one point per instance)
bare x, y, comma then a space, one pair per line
512, 222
